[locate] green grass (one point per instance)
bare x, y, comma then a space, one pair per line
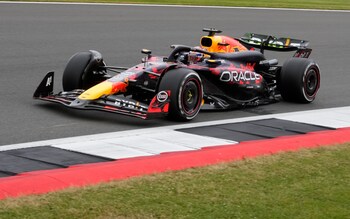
305, 184
309, 4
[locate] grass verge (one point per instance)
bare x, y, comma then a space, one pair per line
307, 4
305, 184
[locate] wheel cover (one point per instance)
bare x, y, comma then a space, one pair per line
311, 82
190, 97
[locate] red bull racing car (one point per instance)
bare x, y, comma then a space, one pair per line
222, 73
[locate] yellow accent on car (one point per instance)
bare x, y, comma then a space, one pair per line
212, 61
215, 40
95, 92
222, 44
287, 42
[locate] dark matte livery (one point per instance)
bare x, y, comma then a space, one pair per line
223, 73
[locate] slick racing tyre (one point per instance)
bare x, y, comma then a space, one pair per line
299, 80
186, 93
83, 71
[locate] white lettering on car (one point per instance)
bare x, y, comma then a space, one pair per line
128, 104
237, 76
49, 81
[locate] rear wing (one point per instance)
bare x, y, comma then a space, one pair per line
266, 42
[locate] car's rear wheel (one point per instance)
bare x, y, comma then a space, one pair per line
82, 71
299, 80
186, 93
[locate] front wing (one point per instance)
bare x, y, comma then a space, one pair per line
119, 104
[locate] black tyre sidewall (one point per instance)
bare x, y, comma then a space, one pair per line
293, 80
74, 72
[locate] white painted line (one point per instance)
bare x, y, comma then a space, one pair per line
144, 144
189, 140
148, 145
175, 6
103, 149
168, 141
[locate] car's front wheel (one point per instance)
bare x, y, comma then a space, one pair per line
83, 71
186, 93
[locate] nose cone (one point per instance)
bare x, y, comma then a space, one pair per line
95, 92
104, 88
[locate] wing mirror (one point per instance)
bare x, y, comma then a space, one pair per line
146, 51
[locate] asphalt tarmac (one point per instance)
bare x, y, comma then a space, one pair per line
37, 38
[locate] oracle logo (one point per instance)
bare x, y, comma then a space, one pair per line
236, 76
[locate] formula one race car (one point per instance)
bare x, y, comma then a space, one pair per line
222, 73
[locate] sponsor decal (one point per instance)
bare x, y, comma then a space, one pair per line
128, 104
162, 96
237, 76
48, 81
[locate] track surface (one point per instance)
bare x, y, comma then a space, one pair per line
35, 39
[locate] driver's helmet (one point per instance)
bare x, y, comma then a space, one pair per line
194, 57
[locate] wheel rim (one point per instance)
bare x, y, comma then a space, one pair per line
311, 82
190, 97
